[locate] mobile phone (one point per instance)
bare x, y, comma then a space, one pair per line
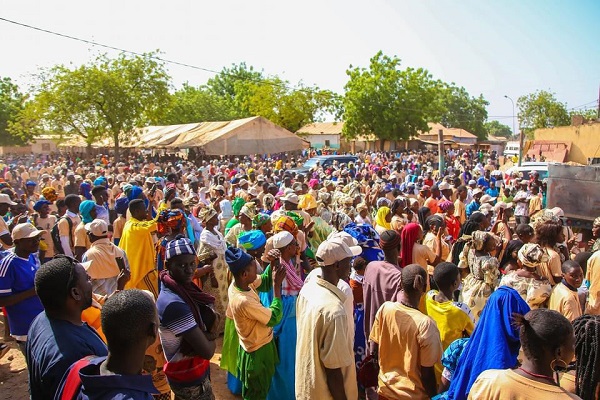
153, 190
120, 263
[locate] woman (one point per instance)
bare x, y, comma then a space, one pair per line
383, 220
321, 229
548, 343
363, 214
437, 227
533, 288
412, 252
397, 211
548, 234
482, 278
263, 223
493, 344
509, 258
583, 378
245, 217
423, 213
476, 222
213, 245
452, 223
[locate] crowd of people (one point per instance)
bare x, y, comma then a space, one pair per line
386, 278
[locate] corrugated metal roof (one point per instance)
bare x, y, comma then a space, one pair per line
321, 128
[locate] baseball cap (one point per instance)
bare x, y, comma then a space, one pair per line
444, 186
5, 199
97, 227
335, 250
477, 191
292, 198
472, 182
282, 239
25, 231
486, 198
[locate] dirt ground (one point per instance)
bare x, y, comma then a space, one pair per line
13, 374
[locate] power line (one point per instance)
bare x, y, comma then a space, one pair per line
586, 105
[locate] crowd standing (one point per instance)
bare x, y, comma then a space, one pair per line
382, 278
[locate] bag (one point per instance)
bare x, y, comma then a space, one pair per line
54, 234
71, 387
368, 372
211, 319
187, 370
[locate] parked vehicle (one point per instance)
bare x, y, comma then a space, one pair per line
511, 149
323, 161
527, 167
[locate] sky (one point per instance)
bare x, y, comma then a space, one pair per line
494, 48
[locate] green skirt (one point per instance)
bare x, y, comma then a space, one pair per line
256, 371
231, 344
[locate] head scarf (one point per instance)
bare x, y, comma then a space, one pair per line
135, 193
206, 214
389, 240
340, 220
409, 237
252, 240
86, 190
285, 223
479, 238
49, 194
121, 205
100, 181
494, 343
237, 259
383, 202
296, 217
368, 240
249, 210
127, 189
423, 213
170, 219
307, 202
380, 220
531, 255
236, 205
268, 201
85, 208
260, 219
445, 205
597, 222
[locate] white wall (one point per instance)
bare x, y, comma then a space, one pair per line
318, 141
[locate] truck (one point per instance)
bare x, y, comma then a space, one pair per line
575, 189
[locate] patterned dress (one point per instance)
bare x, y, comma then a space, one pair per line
534, 291
481, 282
213, 243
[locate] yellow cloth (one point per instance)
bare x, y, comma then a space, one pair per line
137, 243
552, 268
460, 211
118, 226
380, 218
430, 241
46, 224
408, 340
566, 302
496, 384
81, 238
103, 254
593, 276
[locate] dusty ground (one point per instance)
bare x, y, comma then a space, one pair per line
13, 374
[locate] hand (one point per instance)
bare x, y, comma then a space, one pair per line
439, 234
123, 278
200, 272
273, 257
278, 274
309, 227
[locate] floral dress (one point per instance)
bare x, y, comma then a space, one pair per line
213, 243
481, 282
534, 291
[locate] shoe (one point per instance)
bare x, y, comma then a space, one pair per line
3, 350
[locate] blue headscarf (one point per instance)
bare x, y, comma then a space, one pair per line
368, 239
86, 190
101, 181
121, 205
494, 344
252, 240
135, 193
85, 208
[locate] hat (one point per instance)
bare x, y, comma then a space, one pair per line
121, 205
344, 237
502, 205
242, 182
531, 255
558, 212
206, 214
39, 204
335, 250
150, 180
472, 182
486, 198
485, 208
5, 199
30, 183
523, 182
237, 259
307, 202
97, 227
45, 176
25, 231
282, 239
220, 187
477, 191
252, 240
444, 186
292, 198
178, 247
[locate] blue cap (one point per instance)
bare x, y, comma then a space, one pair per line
237, 259
30, 183
178, 247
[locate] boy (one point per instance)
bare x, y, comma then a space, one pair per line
565, 298
254, 322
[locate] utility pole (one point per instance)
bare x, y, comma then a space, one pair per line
520, 131
441, 151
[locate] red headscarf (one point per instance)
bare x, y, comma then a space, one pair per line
409, 236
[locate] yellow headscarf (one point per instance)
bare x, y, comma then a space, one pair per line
380, 218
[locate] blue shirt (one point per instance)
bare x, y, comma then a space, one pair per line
472, 207
485, 183
16, 276
52, 346
115, 387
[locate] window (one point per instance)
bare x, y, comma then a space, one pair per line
45, 146
327, 143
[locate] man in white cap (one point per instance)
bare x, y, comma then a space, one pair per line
17, 274
5, 238
324, 357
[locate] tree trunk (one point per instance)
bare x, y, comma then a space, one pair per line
88, 150
382, 145
117, 148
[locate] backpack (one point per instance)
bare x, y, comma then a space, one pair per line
54, 233
72, 381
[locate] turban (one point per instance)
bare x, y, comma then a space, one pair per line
85, 208
237, 259
252, 240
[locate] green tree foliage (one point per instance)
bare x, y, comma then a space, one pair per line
390, 102
195, 104
105, 98
591, 114
12, 103
541, 110
495, 128
461, 110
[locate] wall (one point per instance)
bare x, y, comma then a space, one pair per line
15, 149
43, 146
585, 140
318, 141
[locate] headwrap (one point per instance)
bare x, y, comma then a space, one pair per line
596, 222
85, 208
249, 210
121, 205
389, 240
478, 238
494, 343
237, 259
409, 236
268, 201
49, 194
285, 223
380, 218
296, 217
382, 201
38, 204
368, 239
85, 189
100, 181
170, 189
423, 213
178, 247
252, 240
127, 189
361, 207
30, 183
531, 255
236, 205
340, 220
207, 213
445, 205
135, 193
260, 219
307, 202
170, 219
312, 183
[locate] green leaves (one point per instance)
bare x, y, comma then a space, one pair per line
495, 128
541, 110
12, 103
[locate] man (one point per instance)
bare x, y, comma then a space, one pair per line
324, 356
5, 238
68, 224
424, 194
31, 197
460, 207
106, 259
71, 187
100, 194
87, 211
17, 273
407, 342
475, 203
138, 244
130, 324
432, 201
521, 201
486, 180
446, 191
57, 337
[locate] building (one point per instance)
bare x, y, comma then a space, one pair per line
578, 143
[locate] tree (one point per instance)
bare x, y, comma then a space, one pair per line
231, 84
195, 104
541, 110
105, 98
461, 110
392, 103
495, 128
12, 103
590, 114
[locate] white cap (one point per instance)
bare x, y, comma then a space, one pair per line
344, 237
242, 182
5, 199
97, 227
486, 198
25, 231
558, 212
485, 209
472, 182
502, 205
477, 191
292, 198
282, 239
335, 250
444, 186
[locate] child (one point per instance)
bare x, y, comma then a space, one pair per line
121, 206
257, 356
